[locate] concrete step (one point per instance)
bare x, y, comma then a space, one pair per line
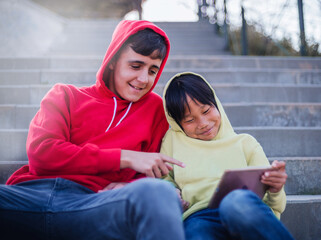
184, 62
250, 75
276, 141
302, 216
287, 141
33, 77
91, 39
23, 94
264, 93
37, 63
303, 174
185, 26
97, 27
17, 116
13, 144
237, 75
251, 114
98, 47
227, 93
7, 168
274, 114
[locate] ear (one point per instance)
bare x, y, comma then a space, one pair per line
111, 65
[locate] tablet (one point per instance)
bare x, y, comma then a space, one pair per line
241, 178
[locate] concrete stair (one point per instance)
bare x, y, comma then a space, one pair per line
89, 38
276, 99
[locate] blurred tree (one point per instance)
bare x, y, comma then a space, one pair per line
263, 45
263, 38
259, 44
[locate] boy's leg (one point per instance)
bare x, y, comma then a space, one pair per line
145, 209
22, 209
247, 217
205, 224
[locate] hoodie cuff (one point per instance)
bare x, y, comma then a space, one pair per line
109, 160
275, 197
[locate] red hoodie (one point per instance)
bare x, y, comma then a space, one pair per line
68, 139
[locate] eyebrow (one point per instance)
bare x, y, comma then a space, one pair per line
141, 62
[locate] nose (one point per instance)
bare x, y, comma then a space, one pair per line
143, 77
202, 122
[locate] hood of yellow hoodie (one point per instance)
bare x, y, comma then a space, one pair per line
226, 129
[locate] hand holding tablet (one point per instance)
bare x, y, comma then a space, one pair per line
244, 178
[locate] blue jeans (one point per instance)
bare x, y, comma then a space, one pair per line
62, 209
241, 215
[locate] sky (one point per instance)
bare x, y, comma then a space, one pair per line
279, 18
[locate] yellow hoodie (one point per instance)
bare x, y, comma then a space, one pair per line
207, 160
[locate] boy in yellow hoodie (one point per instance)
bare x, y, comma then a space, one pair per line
202, 137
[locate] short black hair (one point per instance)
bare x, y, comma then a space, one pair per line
145, 42
181, 86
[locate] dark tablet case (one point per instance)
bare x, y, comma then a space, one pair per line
245, 178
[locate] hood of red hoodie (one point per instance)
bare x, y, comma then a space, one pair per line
122, 32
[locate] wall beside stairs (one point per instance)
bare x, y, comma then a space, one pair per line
26, 28
276, 99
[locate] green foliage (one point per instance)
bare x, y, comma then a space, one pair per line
313, 49
261, 45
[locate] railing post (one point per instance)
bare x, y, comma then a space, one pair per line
201, 4
302, 32
217, 27
244, 34
226, 47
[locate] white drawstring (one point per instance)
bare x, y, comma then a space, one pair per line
115, 108
130, 104
114, 114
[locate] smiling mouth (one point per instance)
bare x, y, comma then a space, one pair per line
137, 88
208, 131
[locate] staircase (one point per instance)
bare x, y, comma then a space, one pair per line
276, 99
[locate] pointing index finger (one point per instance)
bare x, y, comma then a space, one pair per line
173, 161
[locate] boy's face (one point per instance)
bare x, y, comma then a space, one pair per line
133, 74
201, 121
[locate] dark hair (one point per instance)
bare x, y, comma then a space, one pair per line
145, 42
187, 84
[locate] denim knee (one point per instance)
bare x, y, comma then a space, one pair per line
154, 210
240, 206
153, 193
246, 216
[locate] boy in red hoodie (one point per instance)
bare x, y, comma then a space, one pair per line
86, 144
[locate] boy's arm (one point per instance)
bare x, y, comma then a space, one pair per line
256, 157
166, 149
49, 148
